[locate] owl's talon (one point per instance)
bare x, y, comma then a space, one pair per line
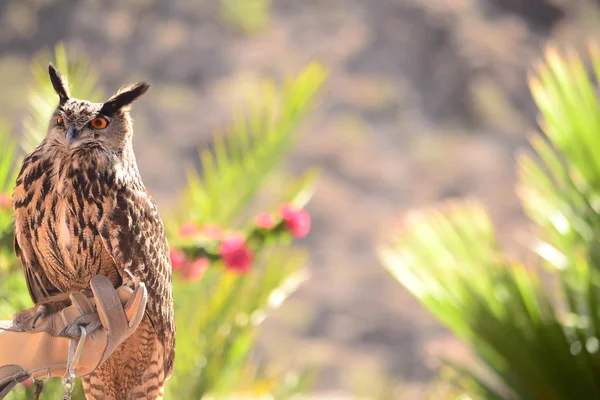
40, 311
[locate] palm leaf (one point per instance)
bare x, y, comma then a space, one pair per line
219, 331
8, 161
247, 153
451, 262
536, 344
8, 176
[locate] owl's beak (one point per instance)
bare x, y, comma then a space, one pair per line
71, 135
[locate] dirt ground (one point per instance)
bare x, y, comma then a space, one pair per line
427, 100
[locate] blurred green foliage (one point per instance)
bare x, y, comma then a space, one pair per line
248, 16
249, 151
537, 335
228, 307
218, 316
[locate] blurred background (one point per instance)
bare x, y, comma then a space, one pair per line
426, 100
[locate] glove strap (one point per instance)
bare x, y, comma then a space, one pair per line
39, 386
73, 358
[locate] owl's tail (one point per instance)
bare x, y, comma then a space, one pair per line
134, 371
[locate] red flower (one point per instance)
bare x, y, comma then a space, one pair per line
235, 254
5, 200
196, 269
188, 229
296, 220
178, 259
265, 220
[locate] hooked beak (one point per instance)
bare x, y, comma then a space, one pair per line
71, 135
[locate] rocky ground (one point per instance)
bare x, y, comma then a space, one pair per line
426, 100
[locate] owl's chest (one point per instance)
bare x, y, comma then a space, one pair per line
62, 224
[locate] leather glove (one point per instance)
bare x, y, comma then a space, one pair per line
56, 345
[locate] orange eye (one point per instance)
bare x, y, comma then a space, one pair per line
99, 123
59, 120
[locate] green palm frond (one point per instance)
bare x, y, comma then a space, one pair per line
248, 152
536, 344
246, 15
218, 331
8, 160
560, 188
232, 173
8, 176
450, 260
77, 67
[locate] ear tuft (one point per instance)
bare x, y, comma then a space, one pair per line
59, 83
124, 97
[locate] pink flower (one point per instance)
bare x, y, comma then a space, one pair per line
178, 259
265, 220
196, 269
188, 229
212, 231
235, 254
296, 220
5, 200
209, 231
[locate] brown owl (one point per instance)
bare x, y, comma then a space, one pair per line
81, 209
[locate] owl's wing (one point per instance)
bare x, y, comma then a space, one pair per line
133, 234
38, 285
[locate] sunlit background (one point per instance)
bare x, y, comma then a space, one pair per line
425, 100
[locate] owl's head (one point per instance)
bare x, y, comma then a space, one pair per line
79, 122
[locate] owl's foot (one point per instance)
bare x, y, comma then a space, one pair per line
27, 319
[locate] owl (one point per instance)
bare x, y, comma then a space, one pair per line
81, 209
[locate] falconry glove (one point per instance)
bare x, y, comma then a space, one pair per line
71, 342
